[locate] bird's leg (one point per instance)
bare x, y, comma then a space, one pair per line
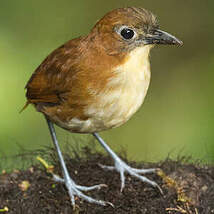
122, 167
73, 188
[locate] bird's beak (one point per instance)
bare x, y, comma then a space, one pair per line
161, 37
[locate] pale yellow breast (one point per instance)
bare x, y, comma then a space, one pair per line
135, 75
123, 95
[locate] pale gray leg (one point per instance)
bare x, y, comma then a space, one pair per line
73, 189
122, 167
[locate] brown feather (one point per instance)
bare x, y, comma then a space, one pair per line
70, 79
62, 86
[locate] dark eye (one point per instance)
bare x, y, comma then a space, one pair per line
127, 33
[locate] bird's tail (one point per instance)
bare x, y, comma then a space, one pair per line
25, 106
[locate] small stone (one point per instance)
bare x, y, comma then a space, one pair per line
24, 185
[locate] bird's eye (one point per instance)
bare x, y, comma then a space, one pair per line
127, 33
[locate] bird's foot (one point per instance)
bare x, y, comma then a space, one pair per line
76, 190
122, 167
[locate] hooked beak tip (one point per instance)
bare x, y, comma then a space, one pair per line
177, 42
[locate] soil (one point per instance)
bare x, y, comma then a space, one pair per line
187, 187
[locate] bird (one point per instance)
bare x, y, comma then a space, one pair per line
97, 82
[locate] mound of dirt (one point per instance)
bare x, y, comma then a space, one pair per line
187, 188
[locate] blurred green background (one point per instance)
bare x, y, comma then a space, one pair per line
177, 117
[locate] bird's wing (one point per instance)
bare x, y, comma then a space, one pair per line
52, 78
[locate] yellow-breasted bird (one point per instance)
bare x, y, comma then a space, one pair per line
97, 82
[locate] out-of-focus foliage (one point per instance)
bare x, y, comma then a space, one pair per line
177, 117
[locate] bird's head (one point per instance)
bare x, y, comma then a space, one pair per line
125, 29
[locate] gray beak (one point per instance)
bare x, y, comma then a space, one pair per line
161, 37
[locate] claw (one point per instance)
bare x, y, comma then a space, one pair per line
122, 178
159, 188
122, 167
84, 188
75, 190
144, 171
106, 167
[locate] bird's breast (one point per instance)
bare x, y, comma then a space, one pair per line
121, 97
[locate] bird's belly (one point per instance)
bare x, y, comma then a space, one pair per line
105, 115
112, 109
109, 110
119, 110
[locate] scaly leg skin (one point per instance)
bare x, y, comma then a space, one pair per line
73, 189
122, 167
